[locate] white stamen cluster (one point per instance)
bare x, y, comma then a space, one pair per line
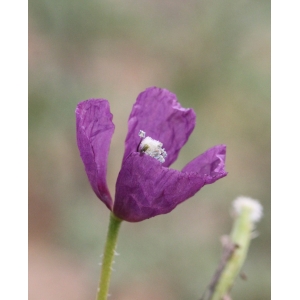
152, 147
246, 202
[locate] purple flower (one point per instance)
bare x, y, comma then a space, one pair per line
158, 127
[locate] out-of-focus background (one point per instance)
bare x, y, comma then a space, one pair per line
215, 56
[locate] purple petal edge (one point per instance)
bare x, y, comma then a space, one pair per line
95, 128
158, 113
145, 188
210, 164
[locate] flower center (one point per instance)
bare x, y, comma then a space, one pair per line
152, 147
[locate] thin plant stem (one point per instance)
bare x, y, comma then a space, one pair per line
108, 256
240, 236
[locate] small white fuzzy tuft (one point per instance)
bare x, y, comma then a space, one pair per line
152, 147
255, 206
142, 133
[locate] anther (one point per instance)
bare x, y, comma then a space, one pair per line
151, 147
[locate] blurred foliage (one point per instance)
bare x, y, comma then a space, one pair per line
215, 55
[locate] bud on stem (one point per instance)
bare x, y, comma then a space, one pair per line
247, 212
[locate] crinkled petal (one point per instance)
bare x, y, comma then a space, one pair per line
210, 164
94, 131
157, 112
145, 188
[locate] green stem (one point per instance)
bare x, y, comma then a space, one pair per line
108, 256
240, 236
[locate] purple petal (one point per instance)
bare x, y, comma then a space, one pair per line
146, 189
157, 112
210, 164
94, 131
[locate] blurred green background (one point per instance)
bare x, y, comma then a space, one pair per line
215, 56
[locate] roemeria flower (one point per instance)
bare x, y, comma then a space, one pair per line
158, 127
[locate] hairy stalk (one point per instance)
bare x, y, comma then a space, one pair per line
108, 256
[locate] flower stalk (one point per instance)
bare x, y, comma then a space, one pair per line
235, 247
108, 256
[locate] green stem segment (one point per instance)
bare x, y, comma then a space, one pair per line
108, 256
240, 236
